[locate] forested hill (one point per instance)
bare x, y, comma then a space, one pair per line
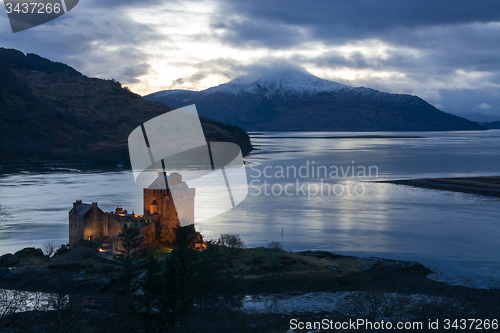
51, 112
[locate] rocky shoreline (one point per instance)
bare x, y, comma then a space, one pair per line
307, 271
264, 288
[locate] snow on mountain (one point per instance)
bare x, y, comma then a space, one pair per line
277, 82
179, 94
294, 100
293, 82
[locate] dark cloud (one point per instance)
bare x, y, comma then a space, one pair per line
231, 69
178, 81
118, 4
130, 73
430, 43
427, 44
93, 39
192, 79
452, 54
448, 35
252, 33
265, 66
341, 21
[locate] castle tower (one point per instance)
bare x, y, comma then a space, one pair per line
174, 200
153, 208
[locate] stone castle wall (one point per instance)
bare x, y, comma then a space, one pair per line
94, 221
75, 229
96, 224
113, 225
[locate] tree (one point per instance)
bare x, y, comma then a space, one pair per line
177, 294
49, 249
132, 248
208, 271
132, 245
274, 245
231, 242
151, 285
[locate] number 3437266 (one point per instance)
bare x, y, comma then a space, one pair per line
471, 324
33, 8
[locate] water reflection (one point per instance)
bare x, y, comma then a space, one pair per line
455, 232
15, 301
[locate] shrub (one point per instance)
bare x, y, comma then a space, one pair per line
62, 249
231, 242
274, 245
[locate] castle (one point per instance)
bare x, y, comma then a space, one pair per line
89, 222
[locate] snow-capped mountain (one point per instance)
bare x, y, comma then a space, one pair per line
292, 100
278, 82
282, 83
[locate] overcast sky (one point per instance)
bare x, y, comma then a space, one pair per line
447, 52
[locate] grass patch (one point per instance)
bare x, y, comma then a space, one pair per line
157, 253
256, 250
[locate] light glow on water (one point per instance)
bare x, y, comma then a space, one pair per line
456, 232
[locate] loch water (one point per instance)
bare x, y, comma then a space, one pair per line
302, 184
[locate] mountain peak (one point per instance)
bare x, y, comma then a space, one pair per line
296, 81
281, 82
294, 100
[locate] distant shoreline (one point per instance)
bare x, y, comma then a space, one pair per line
345, 137
487, 185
